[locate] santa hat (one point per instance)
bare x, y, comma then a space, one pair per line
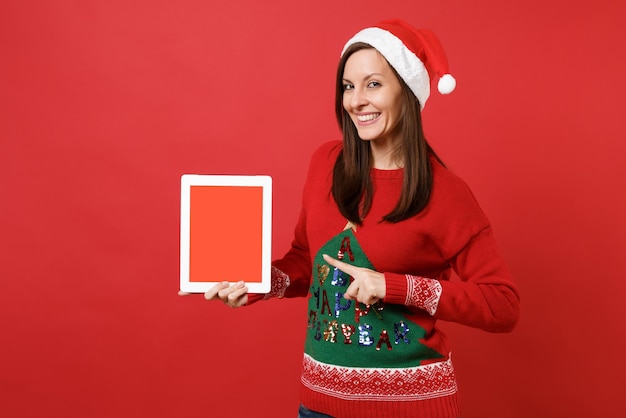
415, 54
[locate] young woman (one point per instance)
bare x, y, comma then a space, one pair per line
383, 225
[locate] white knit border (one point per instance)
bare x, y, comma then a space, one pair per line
423, 293
401, 58
429, 381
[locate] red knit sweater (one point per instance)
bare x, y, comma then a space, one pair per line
391, 360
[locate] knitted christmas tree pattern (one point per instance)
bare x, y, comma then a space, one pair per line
350, 334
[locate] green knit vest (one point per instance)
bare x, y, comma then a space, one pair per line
348, 333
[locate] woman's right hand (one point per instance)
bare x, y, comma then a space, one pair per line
234, 295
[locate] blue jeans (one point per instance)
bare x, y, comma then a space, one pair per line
304, 412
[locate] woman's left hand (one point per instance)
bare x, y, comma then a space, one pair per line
368, 286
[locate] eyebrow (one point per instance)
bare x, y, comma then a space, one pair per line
367, 77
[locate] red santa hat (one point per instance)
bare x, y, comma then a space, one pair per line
416, 55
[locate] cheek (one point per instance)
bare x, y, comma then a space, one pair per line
398, 109
346, 103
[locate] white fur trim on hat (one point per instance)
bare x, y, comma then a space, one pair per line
410, 68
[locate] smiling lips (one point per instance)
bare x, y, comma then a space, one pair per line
367, 118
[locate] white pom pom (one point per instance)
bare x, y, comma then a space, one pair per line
446, 84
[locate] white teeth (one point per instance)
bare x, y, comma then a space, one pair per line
367, 118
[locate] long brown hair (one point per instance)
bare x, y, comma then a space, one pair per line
352, 186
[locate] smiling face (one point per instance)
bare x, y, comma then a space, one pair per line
372, 96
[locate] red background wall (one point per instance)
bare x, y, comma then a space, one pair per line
104, 104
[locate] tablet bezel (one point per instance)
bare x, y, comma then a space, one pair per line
190, 180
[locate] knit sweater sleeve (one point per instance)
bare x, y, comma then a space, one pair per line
486, 296
296, 264
290, 274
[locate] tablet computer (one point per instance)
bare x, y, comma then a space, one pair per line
225, 231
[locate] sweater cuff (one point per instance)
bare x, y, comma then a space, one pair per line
280, 283
416, 291
395, 288
423, 293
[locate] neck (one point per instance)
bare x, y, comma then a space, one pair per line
384, 156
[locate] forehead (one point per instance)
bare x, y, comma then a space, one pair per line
365, 62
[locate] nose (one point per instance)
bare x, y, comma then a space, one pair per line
358, 99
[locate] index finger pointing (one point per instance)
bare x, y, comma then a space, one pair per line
345, 267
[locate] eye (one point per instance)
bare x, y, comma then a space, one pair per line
348, 86
373, 84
